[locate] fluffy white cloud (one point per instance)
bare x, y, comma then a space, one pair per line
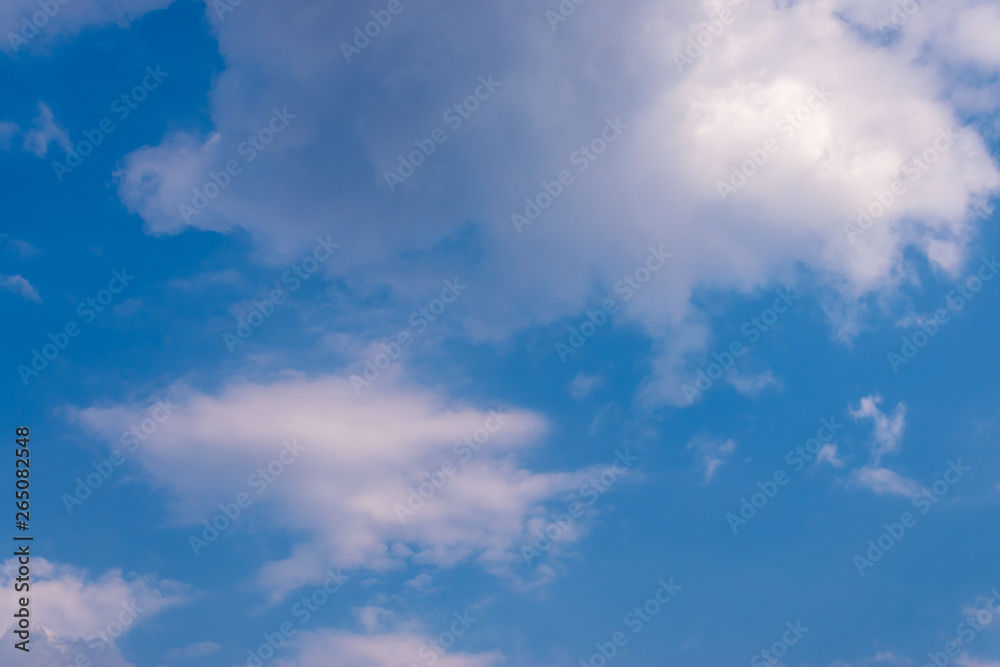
391, 649
364, 460
76, 606
75, 613
687, 131
389, 641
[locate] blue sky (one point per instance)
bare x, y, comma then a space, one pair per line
541, 390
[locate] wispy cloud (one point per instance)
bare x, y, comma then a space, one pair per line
713, 452
20, 285
885, 481
889, 429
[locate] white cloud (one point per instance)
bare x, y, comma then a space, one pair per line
583, 384
885, 481
965, 660
362, 456
686, 132
713, 452
45, 131
828, 454
197, 650
75, 613
401, 648
76, 606
889, 429
20, 285
36, 30
752, 385
886, 439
